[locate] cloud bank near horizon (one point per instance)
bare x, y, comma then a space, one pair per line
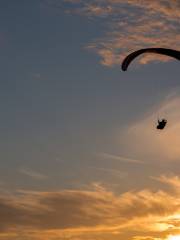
97, 213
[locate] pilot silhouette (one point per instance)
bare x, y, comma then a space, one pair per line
161, 124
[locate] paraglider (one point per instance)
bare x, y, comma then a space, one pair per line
161, 124
163, 51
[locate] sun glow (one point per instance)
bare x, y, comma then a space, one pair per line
175, 237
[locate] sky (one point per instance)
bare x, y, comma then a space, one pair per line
80, 155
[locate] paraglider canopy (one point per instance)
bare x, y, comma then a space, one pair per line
163, 51
161, 124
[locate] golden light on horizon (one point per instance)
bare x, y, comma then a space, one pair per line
173, 237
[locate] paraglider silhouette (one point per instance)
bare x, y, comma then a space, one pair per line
163, 51
161, 124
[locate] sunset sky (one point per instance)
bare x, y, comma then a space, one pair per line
80, 155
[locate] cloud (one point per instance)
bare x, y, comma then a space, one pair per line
173, 182
120, 158
153, 145
113, 172
93, 214
130, 25
33, 174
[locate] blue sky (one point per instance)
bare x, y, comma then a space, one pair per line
71, 120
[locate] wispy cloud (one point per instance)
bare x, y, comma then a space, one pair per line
130, 25
171, 181
92, 214
32, 174
113, 172
120, 158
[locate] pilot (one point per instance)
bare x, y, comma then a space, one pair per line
161, 124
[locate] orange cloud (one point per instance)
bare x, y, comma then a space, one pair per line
131, 25
96, 214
